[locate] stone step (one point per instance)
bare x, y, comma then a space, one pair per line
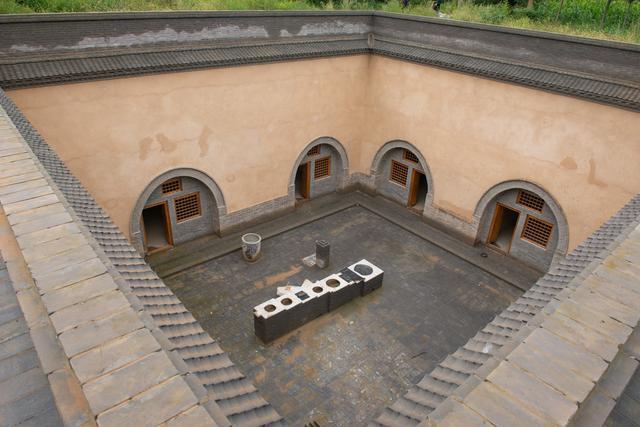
217, 376
185, 341
471, 356
262, 416
424, 397
391, 418
436, 386
172, 331
448, 375
231, 389
198, 351
411, 409
167, 314
209, 363
455, 364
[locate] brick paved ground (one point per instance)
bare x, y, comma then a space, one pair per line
346, 365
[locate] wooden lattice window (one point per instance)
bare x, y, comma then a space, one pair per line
322, 168
314, 151
530, 200
399, 173
172, 185
187, 207
537, 231
408, 155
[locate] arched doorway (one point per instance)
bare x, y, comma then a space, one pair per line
522, 220
400, 173
178, 206
321, 168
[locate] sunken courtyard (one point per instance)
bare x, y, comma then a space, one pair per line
316, 219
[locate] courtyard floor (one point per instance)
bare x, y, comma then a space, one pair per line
344, 367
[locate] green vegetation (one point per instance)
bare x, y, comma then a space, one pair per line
578, 17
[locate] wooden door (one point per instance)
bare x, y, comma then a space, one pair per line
163, 209
413, 188
305, 188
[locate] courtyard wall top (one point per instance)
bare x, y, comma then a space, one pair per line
50, 49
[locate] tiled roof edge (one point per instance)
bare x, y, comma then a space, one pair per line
190, 346
454, 375
601, 290
103, 66
104, 16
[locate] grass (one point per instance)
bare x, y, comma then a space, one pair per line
578, 17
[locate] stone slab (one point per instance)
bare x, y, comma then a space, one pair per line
25, 195
36, 213
91, 310
581, 335
17, 188
584, 296
18, 168
12, 328
604, 324
62, 260
30, 406
24, 177
499, 408
613, 290
70, 275
95, 333
15, 345
48, 234
196, 417
562, 352
47, 199
594, 411
31, 306
14, 158
114, 354
54, 247
111, 389
41, 223
617, 377
48, 347
12, 151
70, 401
21, 385
17, 364
9, 312
537, 396
575, 387
152, 407
78, 292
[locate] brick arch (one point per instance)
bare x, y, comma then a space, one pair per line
401, 144
135, 231
481, 213
335, 145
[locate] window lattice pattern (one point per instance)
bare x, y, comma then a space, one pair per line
322, 168
537, 231
314, 151
171, 186
408, 155
530, 200
399, 173
187, 207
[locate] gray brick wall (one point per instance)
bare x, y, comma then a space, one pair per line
390, 189
191, 228
521, 249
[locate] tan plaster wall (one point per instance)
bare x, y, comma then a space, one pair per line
475, 133
245, 126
